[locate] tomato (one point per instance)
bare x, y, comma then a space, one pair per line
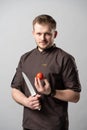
39, 75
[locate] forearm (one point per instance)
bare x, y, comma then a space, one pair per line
67, 95
19, 97
31, 102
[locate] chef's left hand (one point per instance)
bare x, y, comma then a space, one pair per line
43, 89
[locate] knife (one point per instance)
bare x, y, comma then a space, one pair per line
29, 85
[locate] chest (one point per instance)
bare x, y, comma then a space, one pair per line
47, 64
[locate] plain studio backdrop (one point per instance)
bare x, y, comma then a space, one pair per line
16, 38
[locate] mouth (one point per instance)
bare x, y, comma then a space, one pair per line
43, 42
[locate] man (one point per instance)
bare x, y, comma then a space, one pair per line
59, 86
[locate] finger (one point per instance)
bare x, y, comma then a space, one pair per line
46, 81
39, 83
39, 86
38, 96
36, 105
36, 82
38, 108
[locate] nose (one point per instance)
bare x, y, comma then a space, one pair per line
43, 36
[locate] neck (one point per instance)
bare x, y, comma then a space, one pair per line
41, 49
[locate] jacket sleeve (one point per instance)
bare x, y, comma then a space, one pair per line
17, 81
70, 74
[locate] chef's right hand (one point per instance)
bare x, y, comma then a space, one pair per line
33, 102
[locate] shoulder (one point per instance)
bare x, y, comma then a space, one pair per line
64, 58
62, 54
27, 54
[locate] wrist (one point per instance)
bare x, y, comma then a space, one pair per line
52, 93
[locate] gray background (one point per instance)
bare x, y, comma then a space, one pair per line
16, 38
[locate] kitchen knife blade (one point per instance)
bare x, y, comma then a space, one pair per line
29, 85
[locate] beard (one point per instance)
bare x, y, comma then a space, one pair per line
44, 45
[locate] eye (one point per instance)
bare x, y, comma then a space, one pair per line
48, 34
38, 34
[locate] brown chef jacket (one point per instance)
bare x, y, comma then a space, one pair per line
60, 69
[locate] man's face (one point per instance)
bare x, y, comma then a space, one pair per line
44, 36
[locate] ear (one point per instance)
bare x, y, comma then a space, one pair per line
55, 34
33, 32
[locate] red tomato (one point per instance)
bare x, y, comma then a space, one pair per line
39, 75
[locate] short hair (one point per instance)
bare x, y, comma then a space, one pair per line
45, 19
